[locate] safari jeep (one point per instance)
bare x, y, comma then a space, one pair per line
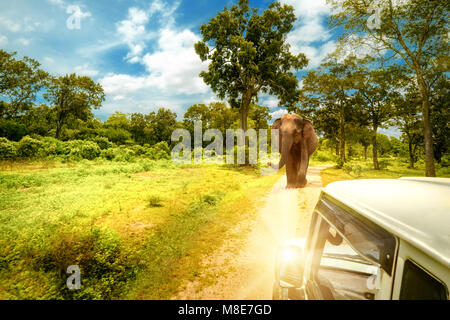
372, 239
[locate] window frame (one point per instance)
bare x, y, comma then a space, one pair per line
424, 270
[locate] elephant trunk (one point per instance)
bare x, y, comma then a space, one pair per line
285, 149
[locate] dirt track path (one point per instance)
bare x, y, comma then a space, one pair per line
244, 268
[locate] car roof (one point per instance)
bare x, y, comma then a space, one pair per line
416, 210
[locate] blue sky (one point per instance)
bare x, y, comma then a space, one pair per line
142, 51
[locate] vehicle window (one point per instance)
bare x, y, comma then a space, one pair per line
372, 241
419, 285
343, 274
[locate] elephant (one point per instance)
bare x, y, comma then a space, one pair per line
297, 142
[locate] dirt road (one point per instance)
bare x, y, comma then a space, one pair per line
244, 268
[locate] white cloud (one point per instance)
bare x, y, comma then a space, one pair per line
85, 70
10, 25
310, 34
278, 114
172, 66
316, 54
3, 40
270, 101
23, 41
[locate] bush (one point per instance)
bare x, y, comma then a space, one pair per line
123, 154
52, 146
322, 156
90, 150
12, 130
355, 170
103, 142
159, 151
8, 149
107, 154
138, 150
154, 201
105, 266
81, 149
29, 147
339, 163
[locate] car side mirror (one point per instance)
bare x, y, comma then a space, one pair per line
290, 264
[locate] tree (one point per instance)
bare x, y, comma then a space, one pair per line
248, 54
407, 118
376, 89
416, 31
20, 80
327, 97
440, 116
75, 96
164, 122
260, 116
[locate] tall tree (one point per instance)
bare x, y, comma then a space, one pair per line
414, 30
376, 89
73, 96
327, 96
260, 116
20, 80
407, 118
248, 54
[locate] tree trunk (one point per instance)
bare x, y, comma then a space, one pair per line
376, 166
365, 152
243, 114
411, 153
429, 158
58, 127
342, 139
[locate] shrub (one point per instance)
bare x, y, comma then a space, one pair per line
123, 154
322, 156
8, 149
29, 147
107, 154
159, 151
12, 130
90, 150
52, 146
139, 150
105, 266
339, 163
355, 170
103, 142
154, 201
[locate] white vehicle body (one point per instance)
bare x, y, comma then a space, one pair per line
373, 239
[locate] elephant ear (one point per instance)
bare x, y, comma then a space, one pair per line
308, 129
276, 124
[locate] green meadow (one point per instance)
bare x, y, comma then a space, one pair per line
134, 229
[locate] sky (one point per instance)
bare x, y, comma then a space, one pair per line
142, 51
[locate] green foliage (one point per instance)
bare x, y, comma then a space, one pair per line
12, 130
103, 142
352, 169
159, 151
249, 54
154, 201
81, 149
8, 149
104, 264
29, 147
52, 146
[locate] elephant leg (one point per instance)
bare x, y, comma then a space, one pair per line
291, 174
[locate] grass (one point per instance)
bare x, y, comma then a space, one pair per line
391, 169
135, 229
